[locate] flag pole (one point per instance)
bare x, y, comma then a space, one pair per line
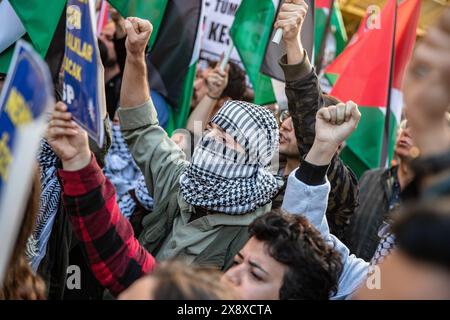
227, 56
277, 36
324, 39
279, 32
384, 161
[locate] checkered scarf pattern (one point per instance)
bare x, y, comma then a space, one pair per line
223, 180
49, 202
128, 205
385, 247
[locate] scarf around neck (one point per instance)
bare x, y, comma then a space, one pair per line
224, 180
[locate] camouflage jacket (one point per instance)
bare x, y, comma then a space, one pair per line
304, 100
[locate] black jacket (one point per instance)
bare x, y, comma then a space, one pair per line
375, 190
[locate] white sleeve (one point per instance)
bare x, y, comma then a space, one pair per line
311, 202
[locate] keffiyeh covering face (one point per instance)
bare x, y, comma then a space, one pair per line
225, 180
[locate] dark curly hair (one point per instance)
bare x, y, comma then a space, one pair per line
313, 265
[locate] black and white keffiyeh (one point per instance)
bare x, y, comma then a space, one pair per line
224, 180
125, 175
120, 167
48, 206
384, 248
128, 205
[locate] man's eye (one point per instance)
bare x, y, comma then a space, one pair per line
235, 263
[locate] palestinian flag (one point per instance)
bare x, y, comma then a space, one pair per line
250, 32
369, 84
36, 19
336, 37
173, 60
366, 81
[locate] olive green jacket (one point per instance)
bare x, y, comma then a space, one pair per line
211, 240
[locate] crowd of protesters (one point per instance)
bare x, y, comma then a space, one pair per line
243, 203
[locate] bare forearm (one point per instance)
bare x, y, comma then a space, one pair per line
134, 90
201, 114
321, 154
295, 52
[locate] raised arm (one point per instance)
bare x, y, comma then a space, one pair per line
309, 184
302, 86
134, 90
159, 158
334, 124
114, 254
305, 98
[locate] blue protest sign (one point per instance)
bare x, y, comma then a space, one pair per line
83, 77
26, 98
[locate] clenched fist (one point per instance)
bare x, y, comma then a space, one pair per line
290, 18
138, 34
334, 124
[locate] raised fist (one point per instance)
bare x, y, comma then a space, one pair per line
290, 18
138, 34
334, 124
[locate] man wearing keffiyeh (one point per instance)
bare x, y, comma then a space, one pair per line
201, 209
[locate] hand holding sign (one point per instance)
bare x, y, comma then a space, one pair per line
138, 34
84, 91
290, 19
68, 140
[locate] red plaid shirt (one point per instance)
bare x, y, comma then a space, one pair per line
115, 255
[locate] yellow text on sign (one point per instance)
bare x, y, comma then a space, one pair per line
72, 68
17, 109
82, 49
5, 156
